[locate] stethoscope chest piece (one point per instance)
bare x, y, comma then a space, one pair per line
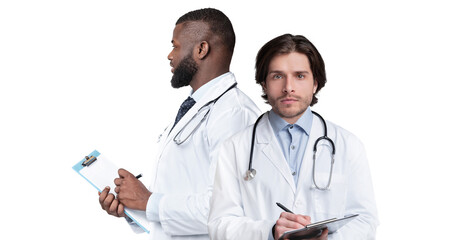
250, 174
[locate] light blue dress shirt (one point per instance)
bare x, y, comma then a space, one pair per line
152, 207
292, 139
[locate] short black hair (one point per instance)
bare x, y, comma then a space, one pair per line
286, 44
217, 21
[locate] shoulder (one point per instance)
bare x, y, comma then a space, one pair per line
230, 114
234, 104
235, 98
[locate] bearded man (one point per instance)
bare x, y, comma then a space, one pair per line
177, 201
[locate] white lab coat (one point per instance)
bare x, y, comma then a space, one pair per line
184, 173
246, 209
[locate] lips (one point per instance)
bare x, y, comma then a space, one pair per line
288, 100
172, 67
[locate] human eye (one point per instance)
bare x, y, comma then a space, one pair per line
276, 76
300, 76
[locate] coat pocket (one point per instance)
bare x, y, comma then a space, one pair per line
331, 202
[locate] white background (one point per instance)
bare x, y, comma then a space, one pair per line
83, 75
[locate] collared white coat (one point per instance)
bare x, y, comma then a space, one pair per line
184, 173
247, 209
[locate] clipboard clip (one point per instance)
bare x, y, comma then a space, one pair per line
89, 160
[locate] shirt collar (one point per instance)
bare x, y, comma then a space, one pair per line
201, 91
304, 122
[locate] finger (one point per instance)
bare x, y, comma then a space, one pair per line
121, 210
279, 230
118, 181
107, 202
304, 220
119, 196
117, 189
300, 219
297, 218
287, 223
113, 207
324, 235
103, 194
123, 173
286, 215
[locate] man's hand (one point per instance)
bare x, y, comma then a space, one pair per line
289, 221
130, 191
111, 205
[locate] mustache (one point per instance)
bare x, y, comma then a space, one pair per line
291, 96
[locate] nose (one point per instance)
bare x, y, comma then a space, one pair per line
288, 85
170, 56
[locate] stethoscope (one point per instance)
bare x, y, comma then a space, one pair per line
251, 172
178, 137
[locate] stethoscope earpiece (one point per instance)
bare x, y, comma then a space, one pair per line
250, 174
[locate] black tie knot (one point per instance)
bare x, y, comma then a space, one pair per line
186, 105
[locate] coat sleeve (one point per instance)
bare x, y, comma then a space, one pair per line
227, 219
182, 214
360, 197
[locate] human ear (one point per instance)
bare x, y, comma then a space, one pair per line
264, 87
315, 86
203, 49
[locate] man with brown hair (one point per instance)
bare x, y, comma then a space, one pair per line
292, 156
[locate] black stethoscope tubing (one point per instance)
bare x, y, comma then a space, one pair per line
325, 136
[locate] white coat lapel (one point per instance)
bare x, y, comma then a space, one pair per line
265, 139
163, 139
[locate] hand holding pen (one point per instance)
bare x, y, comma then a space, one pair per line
130, 191
289, 221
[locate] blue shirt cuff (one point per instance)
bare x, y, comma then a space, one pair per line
152, 207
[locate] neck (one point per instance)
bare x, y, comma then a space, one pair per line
292, 120
202, 77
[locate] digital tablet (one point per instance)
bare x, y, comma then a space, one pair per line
315, 229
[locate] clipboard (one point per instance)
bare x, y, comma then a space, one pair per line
100, 172
315, 229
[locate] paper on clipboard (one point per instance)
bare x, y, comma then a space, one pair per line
100, 172
315, 229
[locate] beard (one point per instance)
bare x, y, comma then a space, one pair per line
184, 72
291, 111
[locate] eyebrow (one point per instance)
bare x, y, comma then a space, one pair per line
297, 72
306, 72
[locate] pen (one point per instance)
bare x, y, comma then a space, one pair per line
139, 175
283, 207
